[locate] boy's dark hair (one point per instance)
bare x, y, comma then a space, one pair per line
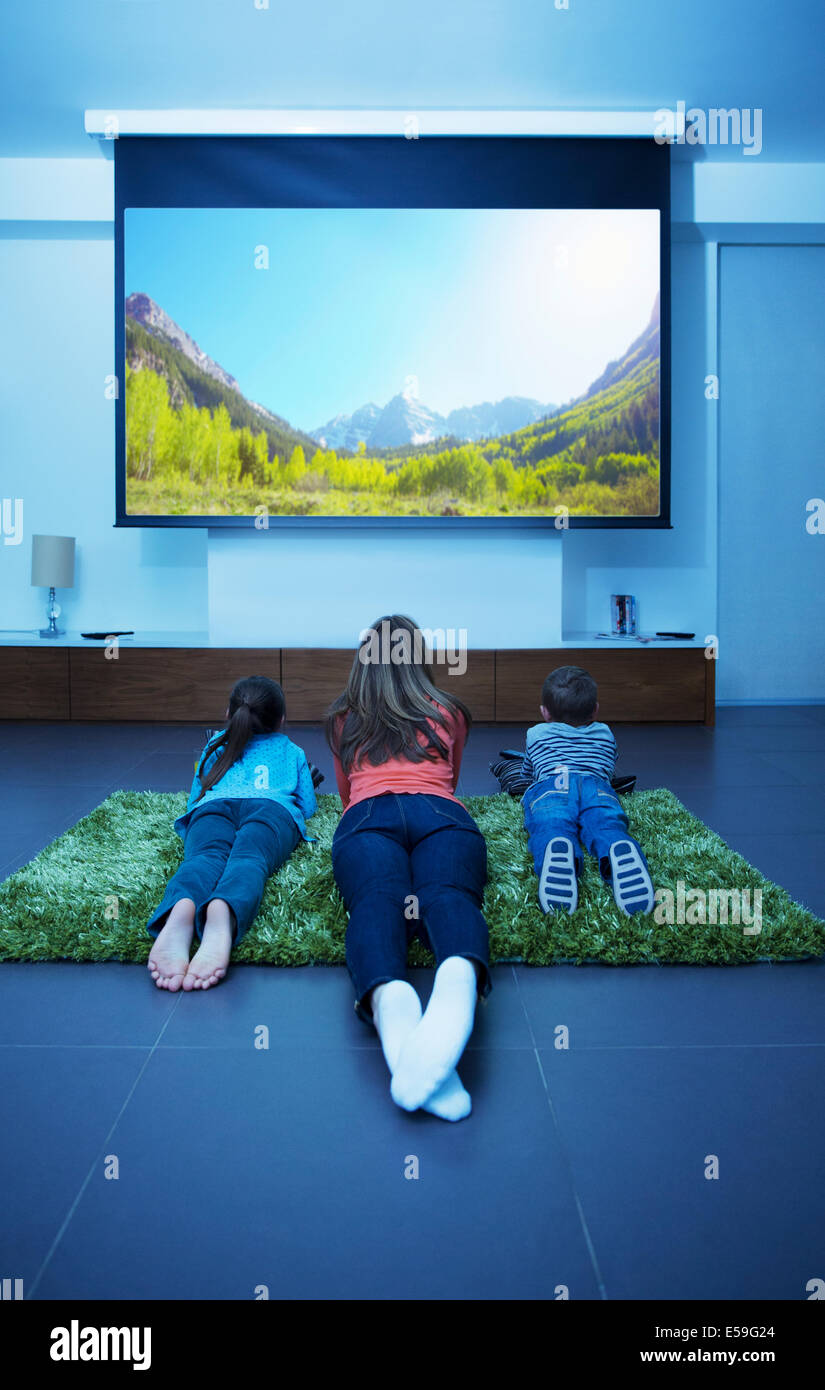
570, 695
256, 706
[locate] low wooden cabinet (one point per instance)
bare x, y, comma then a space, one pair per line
34, 682
163, 683
191, 684
314, 677
641, 684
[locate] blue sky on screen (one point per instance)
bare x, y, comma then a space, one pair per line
473, 304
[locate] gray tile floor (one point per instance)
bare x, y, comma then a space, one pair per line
241, 1166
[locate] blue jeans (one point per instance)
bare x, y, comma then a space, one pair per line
230, 848
588, 810
406, 865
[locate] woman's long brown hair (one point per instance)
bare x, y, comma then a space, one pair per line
388, 704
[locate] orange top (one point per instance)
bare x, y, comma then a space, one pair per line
432, 777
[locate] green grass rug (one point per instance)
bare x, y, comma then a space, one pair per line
89, 894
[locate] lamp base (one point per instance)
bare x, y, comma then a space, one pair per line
52, 632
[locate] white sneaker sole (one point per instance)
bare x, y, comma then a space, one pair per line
558, 886
631, 883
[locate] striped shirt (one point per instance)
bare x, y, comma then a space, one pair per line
555, 745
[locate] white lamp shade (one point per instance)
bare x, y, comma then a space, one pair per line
53, 562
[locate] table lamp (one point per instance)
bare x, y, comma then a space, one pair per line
53, 568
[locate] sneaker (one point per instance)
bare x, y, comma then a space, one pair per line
558, 885
631, 882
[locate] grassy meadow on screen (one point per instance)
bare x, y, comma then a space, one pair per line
392, 362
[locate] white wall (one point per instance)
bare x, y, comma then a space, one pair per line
56, 282
322, 589
672, 573
58, 448
56, 279
772, 462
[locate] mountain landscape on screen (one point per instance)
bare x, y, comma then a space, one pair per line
195, 445
404, 420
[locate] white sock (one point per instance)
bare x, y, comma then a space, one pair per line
396, 1011
433, 1048
451, 1101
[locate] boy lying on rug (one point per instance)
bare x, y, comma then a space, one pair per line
250, 797
570, 759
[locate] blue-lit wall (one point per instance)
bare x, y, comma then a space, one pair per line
772, 443
56, 284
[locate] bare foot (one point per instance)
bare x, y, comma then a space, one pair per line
169, 957
209, 963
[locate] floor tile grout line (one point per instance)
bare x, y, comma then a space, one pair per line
691, 1047
124, 772
109, 789
3, 867
200, 1047
94, 1164
591, 1249
367, 1047
78, 814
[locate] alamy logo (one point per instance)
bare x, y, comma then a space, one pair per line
716, 126
76, 1343
12, 521
815, 522
697, 905
399, 647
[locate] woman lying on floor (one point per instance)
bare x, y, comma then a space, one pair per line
409, 860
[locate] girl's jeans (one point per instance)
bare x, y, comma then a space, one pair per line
230, 848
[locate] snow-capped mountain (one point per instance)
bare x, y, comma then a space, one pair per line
406, 420
347, 431
157, 322
489, 420
191, 375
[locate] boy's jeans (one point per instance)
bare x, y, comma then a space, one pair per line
588, 809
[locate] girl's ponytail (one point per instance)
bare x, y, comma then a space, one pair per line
256, 706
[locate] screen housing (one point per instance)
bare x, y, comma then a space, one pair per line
434, 171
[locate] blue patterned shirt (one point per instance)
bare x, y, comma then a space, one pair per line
271, 768
554, 745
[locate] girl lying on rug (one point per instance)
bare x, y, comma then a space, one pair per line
409, 860
250, 797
